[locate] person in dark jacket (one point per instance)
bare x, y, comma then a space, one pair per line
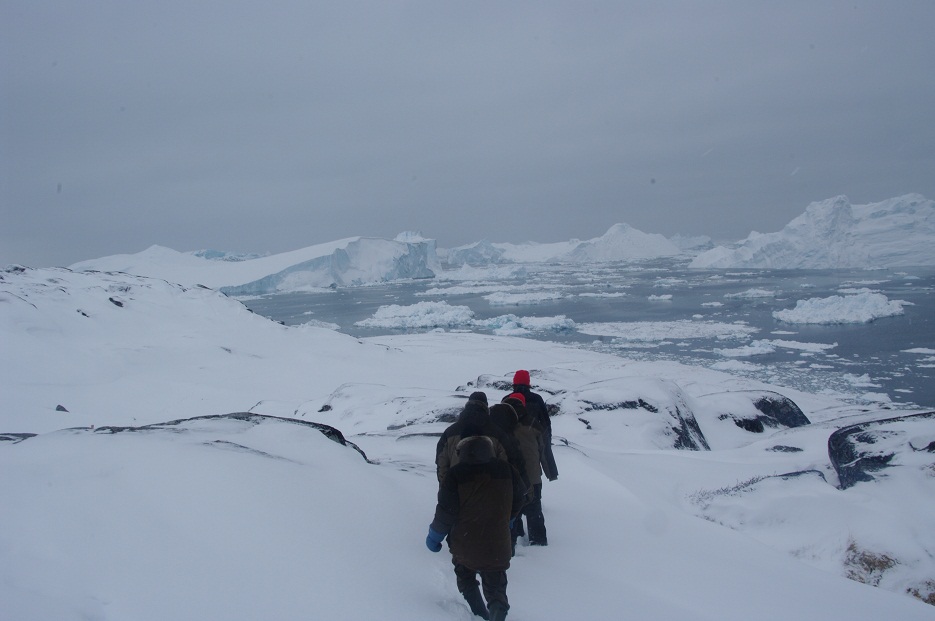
474, 420
476, 502
532, 445
537, 416
506, 419
535, 405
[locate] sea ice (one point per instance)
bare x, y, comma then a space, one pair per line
861, 308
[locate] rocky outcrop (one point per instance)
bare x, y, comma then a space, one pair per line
859, 452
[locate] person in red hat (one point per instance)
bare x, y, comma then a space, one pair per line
536, 410
529, 435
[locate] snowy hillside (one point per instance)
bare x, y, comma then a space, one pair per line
174, 474
898, 232
351, 261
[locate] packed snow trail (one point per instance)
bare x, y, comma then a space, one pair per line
612, 553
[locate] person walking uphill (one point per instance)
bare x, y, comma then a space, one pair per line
476, 502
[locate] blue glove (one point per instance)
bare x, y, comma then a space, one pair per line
433, 540
512, 524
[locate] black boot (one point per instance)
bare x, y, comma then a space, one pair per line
476, 602
497, 611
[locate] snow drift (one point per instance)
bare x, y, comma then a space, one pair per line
898, 232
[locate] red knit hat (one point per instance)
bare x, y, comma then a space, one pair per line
516, 396
521, 378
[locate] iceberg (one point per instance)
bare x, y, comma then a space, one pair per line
346, 262
692, 244
362, 261
621, 242
898, 232
477, 254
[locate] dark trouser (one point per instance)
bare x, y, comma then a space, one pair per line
492, 582
535, 521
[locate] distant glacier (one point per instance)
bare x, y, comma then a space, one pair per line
830, 234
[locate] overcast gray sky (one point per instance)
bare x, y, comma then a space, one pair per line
271, 126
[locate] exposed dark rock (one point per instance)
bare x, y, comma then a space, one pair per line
621, 405
754, 425
688, 434
784, 449
60, 408
116, 302
329, 432
859, 450
447, 415
15, 437
775, 412
781, 409
423, 434
704, 497
493, 383
497, 382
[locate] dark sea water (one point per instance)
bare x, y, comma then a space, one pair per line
863, 361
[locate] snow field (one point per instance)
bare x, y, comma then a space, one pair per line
243, 520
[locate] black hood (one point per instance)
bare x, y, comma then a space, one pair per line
475, 413
504, 416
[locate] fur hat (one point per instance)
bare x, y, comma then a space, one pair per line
475, 450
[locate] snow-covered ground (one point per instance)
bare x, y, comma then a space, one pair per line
138, 500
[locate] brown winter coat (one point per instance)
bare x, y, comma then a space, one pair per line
530, 441
537, 409
476, 501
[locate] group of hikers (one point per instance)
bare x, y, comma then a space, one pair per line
490, 464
